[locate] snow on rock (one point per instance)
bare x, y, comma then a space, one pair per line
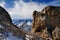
25, 25
11, 37
1, 26
21, 24
28, 37
2, 37
28, 23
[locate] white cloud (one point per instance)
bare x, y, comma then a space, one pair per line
2, 3
23, 10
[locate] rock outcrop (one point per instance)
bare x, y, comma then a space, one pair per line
6, 22
45, 22
4, 16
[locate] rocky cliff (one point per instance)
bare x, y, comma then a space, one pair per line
47, 22
6, 22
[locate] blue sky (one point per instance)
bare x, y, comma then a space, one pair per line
10, 3
39, 1
23, 9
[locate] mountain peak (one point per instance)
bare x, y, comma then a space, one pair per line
28, 23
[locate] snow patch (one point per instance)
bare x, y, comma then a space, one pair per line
28, 37
1, 26
11, 37
28, 23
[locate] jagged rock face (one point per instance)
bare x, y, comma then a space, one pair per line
38, 21
56, 33
4, 16
6, 22
52, 20
52, 15
48, 19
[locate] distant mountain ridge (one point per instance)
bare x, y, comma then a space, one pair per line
21, 20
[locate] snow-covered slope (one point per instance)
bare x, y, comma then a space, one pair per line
24, 24
4, 35
10, 37
29, 23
